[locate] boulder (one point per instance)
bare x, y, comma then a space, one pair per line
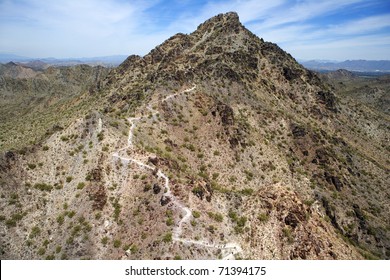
165, 200
156, 189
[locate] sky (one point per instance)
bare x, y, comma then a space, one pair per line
307, 29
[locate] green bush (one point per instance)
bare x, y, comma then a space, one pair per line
133, 249
104, 240
241, 221
43, 187
31, 166
117, 243
169, 222
288, 234
17, 217
216, 216
100, 136
41, 251
263, 217
232, 179
35, 231
117, 210
71, 214
167, 237
247, 191
196, 214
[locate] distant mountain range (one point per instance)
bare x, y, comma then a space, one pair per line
115, 60
41, 63
350, 65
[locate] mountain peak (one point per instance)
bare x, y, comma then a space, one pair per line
228, 22
227, 17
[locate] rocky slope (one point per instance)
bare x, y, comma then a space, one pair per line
373, 92
214, 145
34, 103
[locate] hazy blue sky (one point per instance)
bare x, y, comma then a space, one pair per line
320, 29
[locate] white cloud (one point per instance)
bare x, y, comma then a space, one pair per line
305, 10
247, 10
296, 30
104, 27
72, 27
364, 25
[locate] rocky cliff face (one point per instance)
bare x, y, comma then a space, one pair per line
214, 145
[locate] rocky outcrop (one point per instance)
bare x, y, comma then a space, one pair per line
298, 131
165, 200
328, 99
98, 195
156, 189
225, 112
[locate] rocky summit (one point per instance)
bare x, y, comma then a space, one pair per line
215, 145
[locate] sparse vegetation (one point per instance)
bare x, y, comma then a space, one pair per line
167, 237
35, 231
196, 214
104, 240
43, 187
117, 243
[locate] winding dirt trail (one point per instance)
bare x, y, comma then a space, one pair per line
229, 249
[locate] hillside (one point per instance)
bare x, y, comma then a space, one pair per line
43, 63
365, 91
33, 104
216, 144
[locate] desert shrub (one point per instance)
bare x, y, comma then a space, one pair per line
35, 231
133, 249
43, 187
104, 240
58, 249
167, 237
41, 251
263, 217
288, 234
247, 191
60, 219
232, 179
196, 214
100, 136
31, 166
117, 243
216, 216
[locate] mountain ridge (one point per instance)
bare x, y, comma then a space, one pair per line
44, 62
359, 65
